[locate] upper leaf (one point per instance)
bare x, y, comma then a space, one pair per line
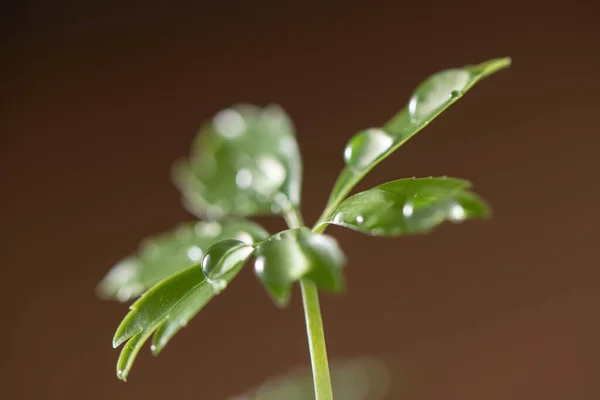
169, 305
368, 148
244, 162
164, 255
409, 206
291, 255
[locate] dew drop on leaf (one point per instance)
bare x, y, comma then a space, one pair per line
222, 257
194, 253
229, 123
435, 92
243, 178
457, 212
365, 147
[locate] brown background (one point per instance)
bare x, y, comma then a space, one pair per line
98, 100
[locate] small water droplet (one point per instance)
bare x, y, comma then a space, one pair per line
359, 219
259, 265
244, 237
229, 123
217, 285
457, 212
210, 229
366, 146
273, 175
407, 210
153, 348
194, 253
280, 203
377, 231
243, 178
120, 374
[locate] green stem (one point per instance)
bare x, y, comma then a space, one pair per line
316, 340
314, 325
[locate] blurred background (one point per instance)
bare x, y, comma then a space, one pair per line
97, 99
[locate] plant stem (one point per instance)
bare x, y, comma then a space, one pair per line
314, 325
316, 340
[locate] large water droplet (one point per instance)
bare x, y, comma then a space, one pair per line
366, 146
224, 256
436, 91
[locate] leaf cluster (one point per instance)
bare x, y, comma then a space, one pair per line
246, 162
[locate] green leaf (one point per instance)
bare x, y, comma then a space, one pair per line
164, 255
409, 206
244, 162
290, 255
169, 305
368, 148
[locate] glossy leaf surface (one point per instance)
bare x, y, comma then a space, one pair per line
244, 162
294, 254
168, 307
368, 148
164, 255
409, 206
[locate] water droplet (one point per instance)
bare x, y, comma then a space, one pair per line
407, 210
243, 178
359, 219
120, 374
457, 212
435, 92
338, 218
259, 265
153, 348
273, 172
229, 123
244, 237
377, 231
280, 203
366, 146
224, 256
218, 285
209, 229
194, 253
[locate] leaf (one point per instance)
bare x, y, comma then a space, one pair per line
409, 206
368, 148
244, 162
164, 255
291, 255
172, 303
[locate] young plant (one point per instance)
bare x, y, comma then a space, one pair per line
246, 162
